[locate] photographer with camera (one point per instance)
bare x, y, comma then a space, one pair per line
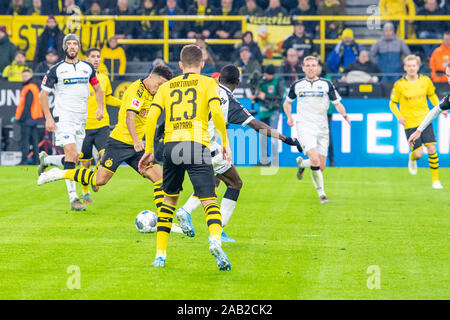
269, 97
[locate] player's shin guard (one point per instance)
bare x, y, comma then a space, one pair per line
158, 193
81, 175
163, 227
433, 161
228, 205
317, 179
214, 221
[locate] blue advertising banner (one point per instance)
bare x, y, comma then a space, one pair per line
375, 138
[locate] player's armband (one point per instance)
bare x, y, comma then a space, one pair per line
94, 81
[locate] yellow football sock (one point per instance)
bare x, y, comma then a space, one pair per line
158, 193
164, 225
81, 175
214, 221
84, 189
433, 161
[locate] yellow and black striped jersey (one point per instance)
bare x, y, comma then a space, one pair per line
412, 96
92, 122
137, 99
187, 101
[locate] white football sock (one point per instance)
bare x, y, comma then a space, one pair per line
54, 160
71, 189
191, 204
317, 179
226, 209
306, 163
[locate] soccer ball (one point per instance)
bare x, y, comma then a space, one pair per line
146, 221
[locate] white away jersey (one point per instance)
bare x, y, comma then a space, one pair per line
70, 82
313, 100
233, 112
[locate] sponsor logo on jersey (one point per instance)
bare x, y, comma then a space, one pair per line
308, 94
246, 111
80, 80
44, 81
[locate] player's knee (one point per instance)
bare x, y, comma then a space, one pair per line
237, 184
418, 154
71, 156
431, 149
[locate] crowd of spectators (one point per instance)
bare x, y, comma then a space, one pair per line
347, 61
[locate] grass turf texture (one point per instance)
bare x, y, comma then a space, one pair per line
288, 245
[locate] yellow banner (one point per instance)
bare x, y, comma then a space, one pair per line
269, 33
25, 30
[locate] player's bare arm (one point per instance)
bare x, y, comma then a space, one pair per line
49, 121
138, 144
287, 107
99, 95
341, 109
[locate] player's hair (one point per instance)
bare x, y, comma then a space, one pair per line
310, 58
412, 57
162, 71
90, 50
27, 70
191, 55
229, 75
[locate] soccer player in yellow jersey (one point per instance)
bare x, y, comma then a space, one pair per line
411, 92
188, 101
97, 132
125, 142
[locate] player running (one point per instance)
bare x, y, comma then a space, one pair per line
443, 106
125, 142
188, 101
313, 96
70, 79
97, 132
412, 92
235, 113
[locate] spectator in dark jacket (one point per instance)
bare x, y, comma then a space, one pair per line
205, 28
247, 40
50, 59
7, 49
362, 70
36, 9
4, 5
51, 38
126, 29
94, 10
251, 9
226, 29
305, 9
148, 30
275, 9
172, 9
17, 7
291, 67
247, 64
430, 29
107, 6
27, 113
299, 41
50, 7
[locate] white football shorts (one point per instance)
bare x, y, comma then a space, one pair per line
70, 130
310, 138
220, 165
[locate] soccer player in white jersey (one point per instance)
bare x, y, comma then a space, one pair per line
313, 96
69, 79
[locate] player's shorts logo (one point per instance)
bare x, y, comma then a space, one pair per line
108, 163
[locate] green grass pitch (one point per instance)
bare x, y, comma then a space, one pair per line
288, 246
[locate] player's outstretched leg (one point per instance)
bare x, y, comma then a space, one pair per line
183, 215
